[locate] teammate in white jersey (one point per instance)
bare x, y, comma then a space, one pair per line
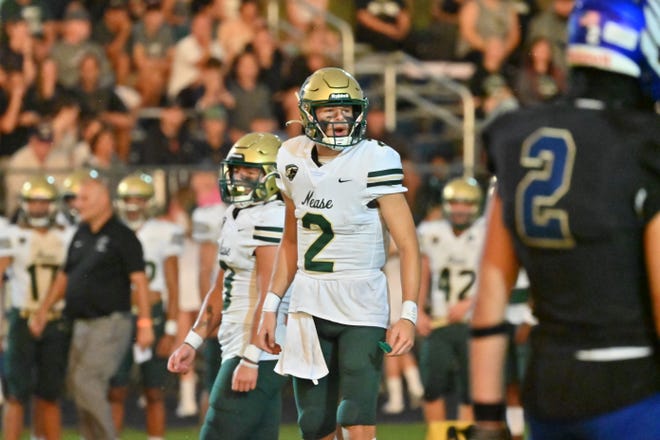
162, 244
246, 397
206, 223
31, 251
344, 196
451, 248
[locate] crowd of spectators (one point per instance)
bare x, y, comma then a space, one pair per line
128, 83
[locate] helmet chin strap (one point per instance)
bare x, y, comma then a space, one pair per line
39, 222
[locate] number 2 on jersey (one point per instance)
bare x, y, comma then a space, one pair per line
327, 234
549, 154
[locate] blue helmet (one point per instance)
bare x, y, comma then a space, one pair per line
620, 36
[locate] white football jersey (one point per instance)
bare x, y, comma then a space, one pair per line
453, 261
206, 222
36, 257
160, 239
243, 230
340, 233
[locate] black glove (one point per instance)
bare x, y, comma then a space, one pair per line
476, 432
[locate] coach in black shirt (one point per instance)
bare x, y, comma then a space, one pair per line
103, 263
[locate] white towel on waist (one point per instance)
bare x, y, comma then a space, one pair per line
301, 355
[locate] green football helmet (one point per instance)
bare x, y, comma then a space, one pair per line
39, 188
466, 192
135, 186
254, 150
332, 86
69, 192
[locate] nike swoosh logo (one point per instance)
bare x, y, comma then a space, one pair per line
344, 180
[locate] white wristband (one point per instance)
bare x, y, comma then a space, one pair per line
252, 353
193, 339
409, 311
248, 364
171, 327
272, 302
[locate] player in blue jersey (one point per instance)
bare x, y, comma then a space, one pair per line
576, 204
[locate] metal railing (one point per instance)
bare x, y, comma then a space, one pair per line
392, 67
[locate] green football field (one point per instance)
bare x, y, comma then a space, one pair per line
409, 431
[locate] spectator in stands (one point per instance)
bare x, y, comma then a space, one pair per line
37, 13
191, 53
153, 50
42, 96
493, 81
315, 53
235, 34
483, 20
384, 26
526, 10
552, 24
16, 51
97, 100
214, 144
39, 154
113, 32
13, 133
538, 79
271, 58
66, 119
303, 14
166, 142
254, 108
103, 102
74, 44
103, 151
177, 15
442, 32
208, 90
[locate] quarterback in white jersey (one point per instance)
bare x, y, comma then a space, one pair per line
246, 396
451, 247
344, 197
31, 252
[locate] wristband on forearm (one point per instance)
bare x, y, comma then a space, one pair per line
409, 311
252, 353
271, 302
248, 364
489, 412
193, 339
171, 327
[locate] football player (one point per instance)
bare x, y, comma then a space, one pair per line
343, 193
68, 213
162, 243
577, 205
246, 396
31, 251
206, 222
451, 248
